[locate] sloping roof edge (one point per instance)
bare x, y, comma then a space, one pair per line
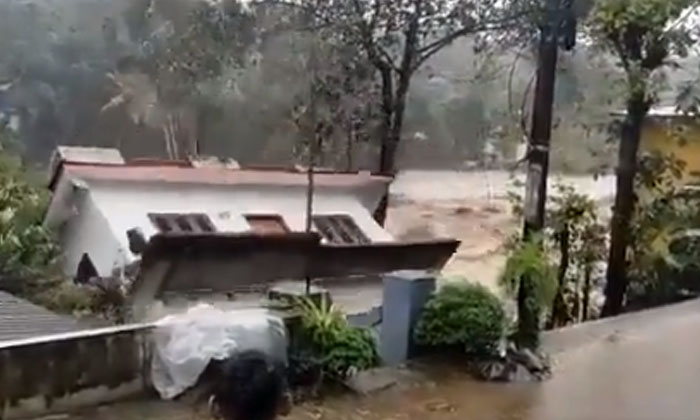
217, 176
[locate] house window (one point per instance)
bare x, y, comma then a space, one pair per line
267, 224
340, 230
182, 223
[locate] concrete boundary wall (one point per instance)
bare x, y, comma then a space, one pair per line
64, 372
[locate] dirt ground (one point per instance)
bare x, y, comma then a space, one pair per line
473, 208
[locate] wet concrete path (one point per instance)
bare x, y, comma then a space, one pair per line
643, 366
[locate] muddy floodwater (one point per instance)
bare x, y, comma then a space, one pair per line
638, 375
643, 366
473, 208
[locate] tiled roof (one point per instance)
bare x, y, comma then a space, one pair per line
168, 173
22, 319
108, 164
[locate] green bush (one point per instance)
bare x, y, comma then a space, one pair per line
528, 267
340, 347
463, 315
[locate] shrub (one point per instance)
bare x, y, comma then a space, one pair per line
340, 347
528, 267
463, 315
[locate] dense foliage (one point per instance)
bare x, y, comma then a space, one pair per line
340, 348
29, 254
27, 248
157, 77
665, 218
574, 227
462, 315
397, 37
644, 35
530, 277
576, 239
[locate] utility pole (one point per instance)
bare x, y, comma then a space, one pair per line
558, 27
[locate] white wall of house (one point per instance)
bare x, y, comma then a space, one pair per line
87, 231
115, 207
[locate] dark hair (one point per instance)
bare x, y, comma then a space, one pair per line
250, 387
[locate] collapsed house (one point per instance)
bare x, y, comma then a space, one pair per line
208, 226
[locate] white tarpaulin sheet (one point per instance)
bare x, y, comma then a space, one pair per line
184, 344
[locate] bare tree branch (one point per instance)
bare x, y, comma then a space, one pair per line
433, 48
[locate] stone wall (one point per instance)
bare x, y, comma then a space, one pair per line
64, 372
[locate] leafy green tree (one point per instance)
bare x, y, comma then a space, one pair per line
643, 35
338, 110
27, 248
397, 37
187, 63
29, 253
574, 235
664, 210
573, 226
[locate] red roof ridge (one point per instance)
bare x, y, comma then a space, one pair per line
215, 175
181, 163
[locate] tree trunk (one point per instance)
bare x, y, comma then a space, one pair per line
350, 150
393, 107
586, 291
380, 212
536, 187
559, 310
387, 116
527, 335
390, 143
392, 137
625, 198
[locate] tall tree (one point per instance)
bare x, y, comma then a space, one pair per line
557, 27
172, 75
397, 37
643, 35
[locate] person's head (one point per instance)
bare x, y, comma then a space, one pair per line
251, 387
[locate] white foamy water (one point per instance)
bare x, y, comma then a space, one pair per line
419, 185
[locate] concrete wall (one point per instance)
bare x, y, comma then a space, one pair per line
64, 372
126, 205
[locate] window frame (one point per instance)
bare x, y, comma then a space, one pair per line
182, 223
343, 228
278, 218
